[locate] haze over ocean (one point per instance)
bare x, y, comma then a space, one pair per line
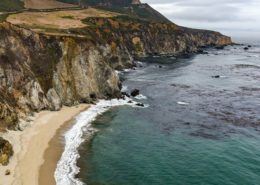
237, 18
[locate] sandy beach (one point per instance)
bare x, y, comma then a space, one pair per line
38, 148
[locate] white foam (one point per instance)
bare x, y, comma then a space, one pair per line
140, 97
67, 166
127, 70
182, 103
124, 88
222, 76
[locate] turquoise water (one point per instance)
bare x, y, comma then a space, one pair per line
214, 140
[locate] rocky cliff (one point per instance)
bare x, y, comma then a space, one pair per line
45, 72
40, 71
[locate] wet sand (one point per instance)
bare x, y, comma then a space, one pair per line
38, 147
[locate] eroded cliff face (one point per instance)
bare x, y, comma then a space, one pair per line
142, 38
45, 72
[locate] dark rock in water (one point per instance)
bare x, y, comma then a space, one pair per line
249, 46
204, 47
130, 101
246, 48
140, 104
220, 47
160, 66
135, 92
93, 96
6, 151
217, 76
200, 51
126, 94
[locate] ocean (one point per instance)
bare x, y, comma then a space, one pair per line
200, 125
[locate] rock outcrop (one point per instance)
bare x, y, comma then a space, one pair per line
6, 151
40, 72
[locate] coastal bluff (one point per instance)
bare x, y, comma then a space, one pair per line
47, 68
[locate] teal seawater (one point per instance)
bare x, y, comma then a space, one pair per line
214, 140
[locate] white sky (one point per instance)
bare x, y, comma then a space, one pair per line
237, 18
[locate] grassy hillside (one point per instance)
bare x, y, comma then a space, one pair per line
98, 2
11, 5
143, 11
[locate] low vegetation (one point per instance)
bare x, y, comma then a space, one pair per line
56, 20
3, 17
11, 5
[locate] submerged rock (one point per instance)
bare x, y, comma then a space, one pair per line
6, 151
217, 76
220, 47
140, 104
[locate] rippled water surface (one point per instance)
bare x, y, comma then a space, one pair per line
196, 130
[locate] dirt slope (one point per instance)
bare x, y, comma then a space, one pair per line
45, 4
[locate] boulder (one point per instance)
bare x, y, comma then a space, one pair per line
140, 104
54, 100
125, 94
6, 151
135, 92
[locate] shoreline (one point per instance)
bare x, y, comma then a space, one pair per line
53, 153
31, 145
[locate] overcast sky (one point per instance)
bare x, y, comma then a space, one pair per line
232, 17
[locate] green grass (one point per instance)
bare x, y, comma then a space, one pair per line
68, 17
3, 17
11, 5
139, 12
